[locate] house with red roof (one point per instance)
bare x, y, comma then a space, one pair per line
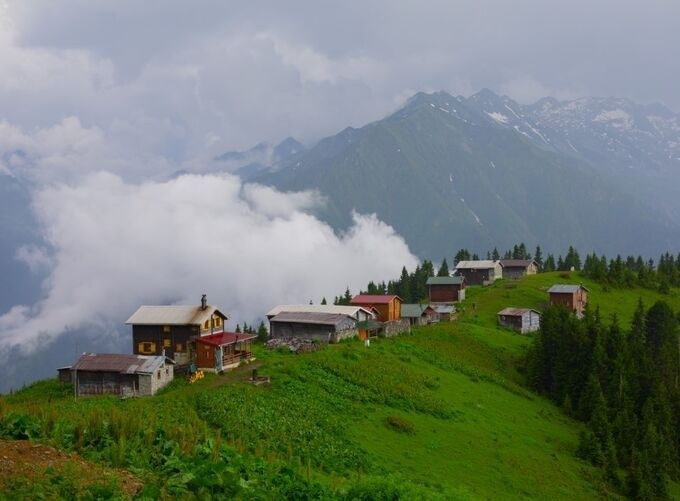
387, 306
223, 351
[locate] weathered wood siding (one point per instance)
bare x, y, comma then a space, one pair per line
309, 331
174, 341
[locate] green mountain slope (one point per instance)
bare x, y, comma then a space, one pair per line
446, 176
438, 414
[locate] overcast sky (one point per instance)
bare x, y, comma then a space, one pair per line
101, 101
177, 78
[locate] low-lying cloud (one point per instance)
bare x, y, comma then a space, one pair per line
113, 245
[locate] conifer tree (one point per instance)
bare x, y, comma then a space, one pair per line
443, 269
323, 300
538, 257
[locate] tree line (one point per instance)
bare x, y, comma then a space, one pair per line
624, 384
412, 288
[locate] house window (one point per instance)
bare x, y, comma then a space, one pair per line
158, 376
206, 325
146, 348
166, 328
166, 343
217, 321
178, 347
194, 328
167, 371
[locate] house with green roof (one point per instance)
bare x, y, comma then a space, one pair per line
446, 289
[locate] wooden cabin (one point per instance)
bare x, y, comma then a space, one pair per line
329, 327
222, 351
574, 297
518, 268
419, 314
446, 289
118, 374
158, 330
445, 311
387, 306
481, 272
520, 319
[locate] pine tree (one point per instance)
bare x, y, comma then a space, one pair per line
323, 300
549, 264
462, 255
262, 333
443, 269
238, 329
495, 255
538, 257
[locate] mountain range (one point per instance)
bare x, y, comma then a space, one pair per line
485, 171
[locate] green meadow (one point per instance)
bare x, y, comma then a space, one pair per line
439, 413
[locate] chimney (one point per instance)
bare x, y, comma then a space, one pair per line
204, 302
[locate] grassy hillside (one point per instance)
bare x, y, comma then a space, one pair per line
437, 414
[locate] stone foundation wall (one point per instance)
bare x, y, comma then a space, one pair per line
395, 327
338, 336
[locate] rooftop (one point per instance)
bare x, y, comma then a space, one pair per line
120, 363
445, 280
476, 265
373, 299
516, 263
318, 308
173, 315
516, 312
224, 338
414, 310
565, 289
305, 317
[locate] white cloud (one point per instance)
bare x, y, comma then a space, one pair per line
117, 245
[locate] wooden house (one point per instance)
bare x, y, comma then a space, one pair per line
387, 306
481, 272
419, 314
117, 374
574, 297
520, 319
517, 268
446, 289
158, 330
223, 351
329, 327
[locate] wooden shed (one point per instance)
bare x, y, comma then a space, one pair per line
168, 329
118, 374
419, 314
359, 313
518, 268
574, 297
481, 272
446, 289
223, 351
328, 327
520, 319
387, 306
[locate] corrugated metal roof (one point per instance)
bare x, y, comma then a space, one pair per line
482, 264
373, 299
565, 289
119, 363
318, 308
444, 308
173, 315
303, 317
516, 263
445, 280
414, 310
224, 338
516, 312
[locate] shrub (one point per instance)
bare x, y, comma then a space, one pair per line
400, 424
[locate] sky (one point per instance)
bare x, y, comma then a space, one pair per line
103, 103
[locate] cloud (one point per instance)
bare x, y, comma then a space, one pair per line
116, 245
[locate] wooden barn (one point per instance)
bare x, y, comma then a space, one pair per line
223, 351
419, 314
168, 329
328, 327
518, 268
574, 297
387, 306
520, 319
446, 289
118, 374
482, 272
